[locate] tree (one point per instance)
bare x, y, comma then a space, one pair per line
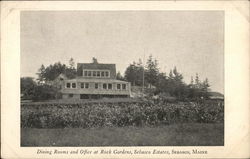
177, 86
27, 87
205, 85
41, 74
192, 81
71, 63
171, 75
172, 84
44, 92
70, 71
162, 84
30, 90
52, 71
130, 74
205, 88
177, 76
134, 73
152, 71
197, 81
119, 76
198, 89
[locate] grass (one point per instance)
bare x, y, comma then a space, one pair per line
191, 134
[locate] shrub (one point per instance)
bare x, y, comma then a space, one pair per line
87, 115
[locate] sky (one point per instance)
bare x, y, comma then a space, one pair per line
193, 41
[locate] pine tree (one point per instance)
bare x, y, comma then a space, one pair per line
192, 81
171, 76
197, 81
205, 85
177, 76
152, 71
41, 74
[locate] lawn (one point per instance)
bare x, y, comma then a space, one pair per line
190, 134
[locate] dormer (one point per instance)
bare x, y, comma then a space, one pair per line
96, 70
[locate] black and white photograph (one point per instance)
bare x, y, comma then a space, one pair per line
121, 78
125, 79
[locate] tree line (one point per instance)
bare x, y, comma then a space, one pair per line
149, 76
171, 85
40, 88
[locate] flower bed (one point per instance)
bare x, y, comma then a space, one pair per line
87, 115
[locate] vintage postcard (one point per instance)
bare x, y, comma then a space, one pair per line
125, 79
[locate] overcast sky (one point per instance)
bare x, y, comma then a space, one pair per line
193, 41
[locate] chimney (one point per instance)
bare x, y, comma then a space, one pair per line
94, 60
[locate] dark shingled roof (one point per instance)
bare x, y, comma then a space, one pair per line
99, 66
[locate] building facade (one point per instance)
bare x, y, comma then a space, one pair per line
95, 80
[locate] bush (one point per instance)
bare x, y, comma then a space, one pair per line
87, 115
30, 90
44, 92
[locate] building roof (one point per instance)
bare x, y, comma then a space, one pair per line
91, 80
96, 66
100, 66
63, 76
217, 94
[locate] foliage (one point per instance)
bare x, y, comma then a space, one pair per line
198, 89
33, 91
134, 73
171, 85
27, 87
87, 115
119, 76
152, 71
176, 86
52, 71
44, 92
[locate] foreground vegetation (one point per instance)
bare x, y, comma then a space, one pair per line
192, 134
146, 113
126, 123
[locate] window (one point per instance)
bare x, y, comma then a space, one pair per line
85, 73
87, 85
70, 95
123, 86
118, 86
104, 86
110, 86
98, 73
106, 73
68, 85
89, 73
96, 85
73, 85
102, 74
82, 85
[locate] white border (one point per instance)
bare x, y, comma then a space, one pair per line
237, 110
